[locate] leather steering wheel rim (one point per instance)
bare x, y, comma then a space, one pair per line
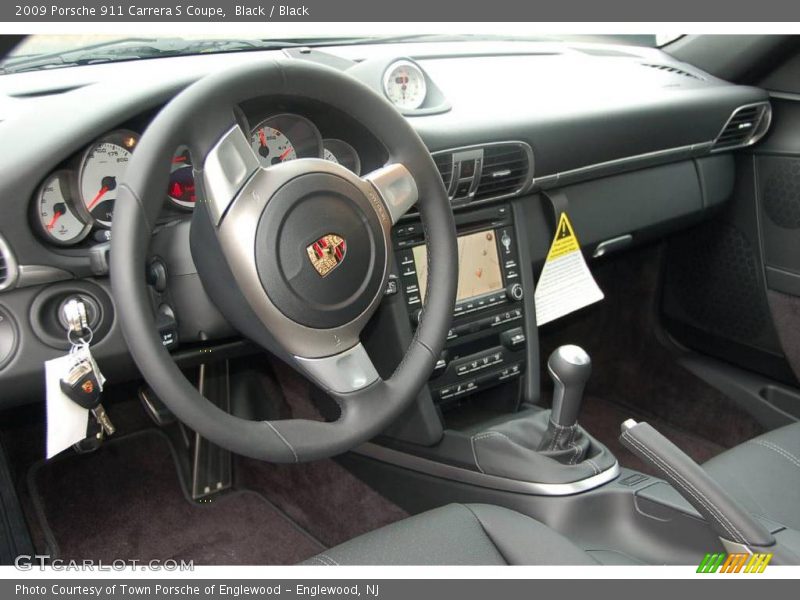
202, 117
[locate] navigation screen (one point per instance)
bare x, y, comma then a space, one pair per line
478, 265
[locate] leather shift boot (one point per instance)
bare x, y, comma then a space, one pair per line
567, 445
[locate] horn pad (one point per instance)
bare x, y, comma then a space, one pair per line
321, 252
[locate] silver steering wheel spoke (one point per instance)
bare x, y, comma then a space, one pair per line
342, 373
396, 187
226, 169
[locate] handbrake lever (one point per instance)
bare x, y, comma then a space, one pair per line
736, 527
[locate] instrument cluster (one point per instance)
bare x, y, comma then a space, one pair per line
78, 199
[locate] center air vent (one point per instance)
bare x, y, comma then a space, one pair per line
444, 162
485, 172
506, 170
745, 127
8, 266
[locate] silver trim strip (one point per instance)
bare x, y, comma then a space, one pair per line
619, 165
343, 373
453, 473
30, 275
12, 269
227, 167
396, 187
785, 96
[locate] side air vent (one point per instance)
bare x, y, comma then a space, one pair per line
506, 170
444, 162
745, 127
8, 266
672, 69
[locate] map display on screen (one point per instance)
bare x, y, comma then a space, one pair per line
479, 265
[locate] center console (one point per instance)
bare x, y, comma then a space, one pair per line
486, 345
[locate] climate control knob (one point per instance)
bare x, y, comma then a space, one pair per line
514, 292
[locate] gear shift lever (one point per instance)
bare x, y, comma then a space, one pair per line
570, 368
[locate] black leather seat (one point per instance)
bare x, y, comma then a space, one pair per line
459, 534
763, 474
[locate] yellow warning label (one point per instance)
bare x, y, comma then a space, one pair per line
564, 241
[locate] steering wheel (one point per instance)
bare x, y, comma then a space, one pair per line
296, 256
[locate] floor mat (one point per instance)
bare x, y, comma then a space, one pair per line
125, 501
322, 496
603, 419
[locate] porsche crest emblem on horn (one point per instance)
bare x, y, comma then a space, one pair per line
327, 253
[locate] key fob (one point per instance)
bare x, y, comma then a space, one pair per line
81, 385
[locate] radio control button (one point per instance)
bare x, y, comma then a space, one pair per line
514, 292
506, 241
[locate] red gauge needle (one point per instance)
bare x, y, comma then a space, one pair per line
55, 218
99, 195
285, 154
262, 137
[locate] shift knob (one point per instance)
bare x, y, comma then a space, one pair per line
570, 368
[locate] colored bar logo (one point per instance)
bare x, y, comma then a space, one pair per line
734, 563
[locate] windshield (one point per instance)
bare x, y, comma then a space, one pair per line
54, 51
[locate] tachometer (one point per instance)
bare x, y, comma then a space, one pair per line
101, 171
404, 84
58, 221
181, 190
285, 137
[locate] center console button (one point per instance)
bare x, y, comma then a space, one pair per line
513, 339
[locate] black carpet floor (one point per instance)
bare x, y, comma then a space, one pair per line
603, 419
125, 501
635, 372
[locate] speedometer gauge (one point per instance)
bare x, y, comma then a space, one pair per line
55, 212
101, 172
404, 84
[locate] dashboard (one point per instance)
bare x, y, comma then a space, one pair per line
74, 204
638, 142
